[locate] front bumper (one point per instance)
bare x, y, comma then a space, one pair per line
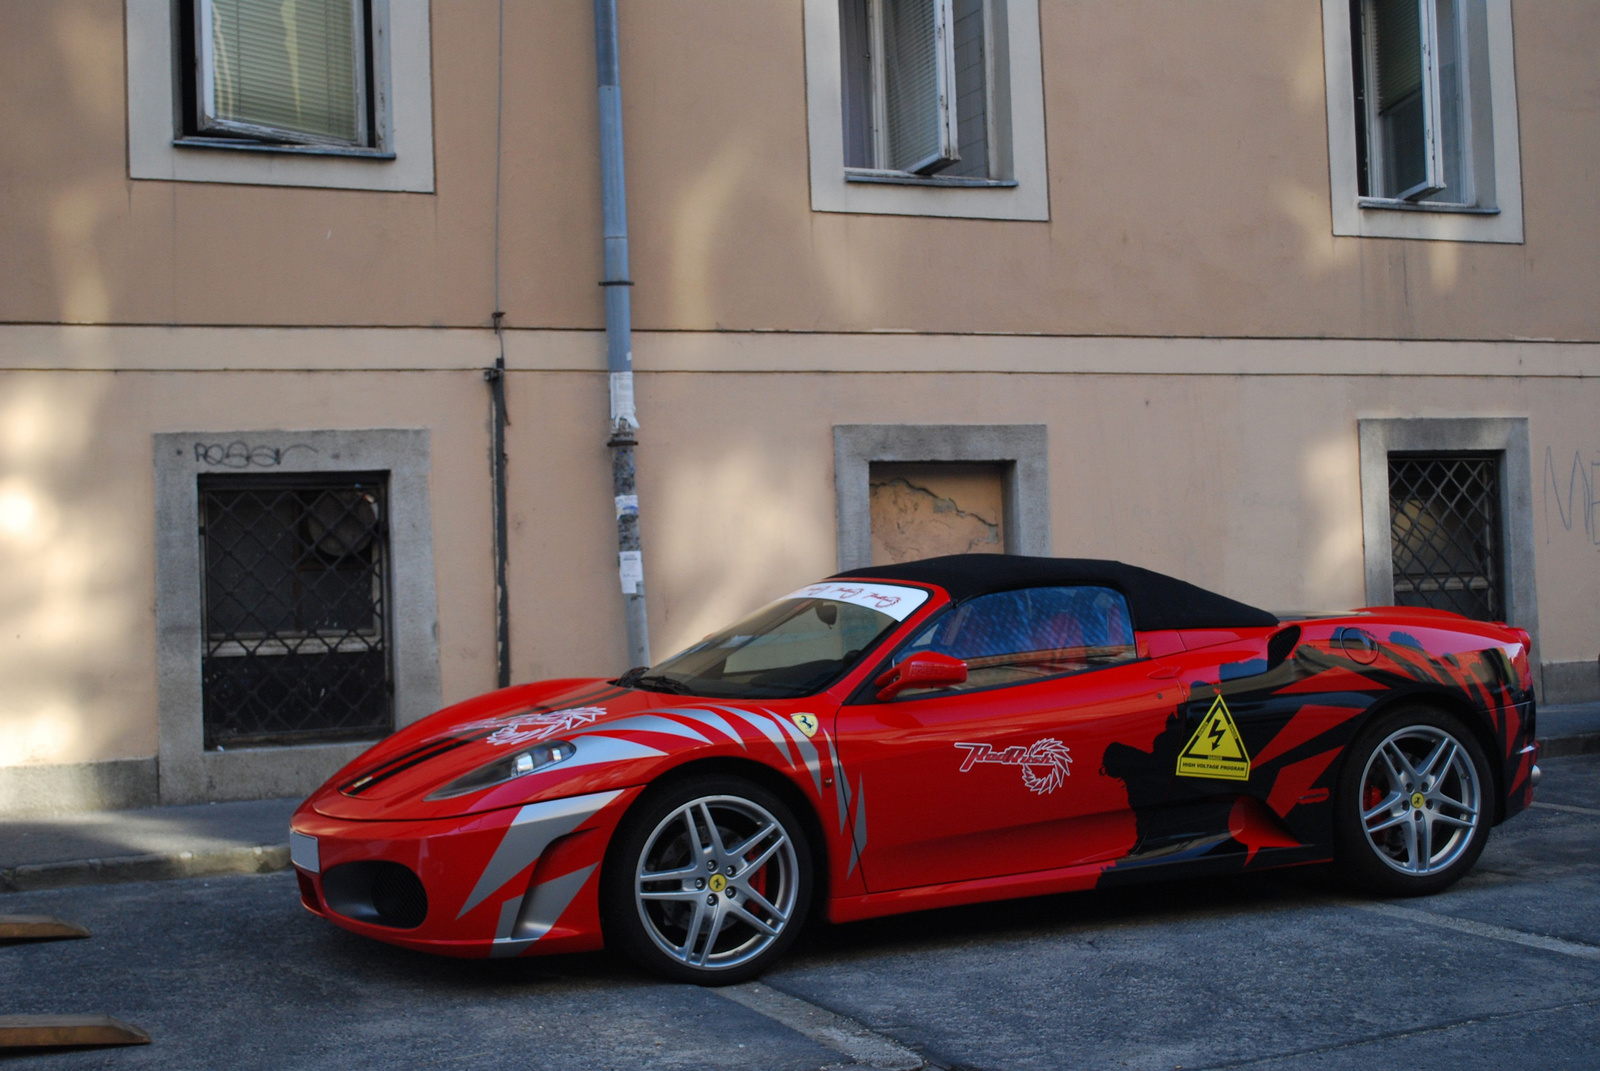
504, 883
1519, 772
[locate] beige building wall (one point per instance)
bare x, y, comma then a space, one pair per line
1197, 342
1188, 179
1247, 482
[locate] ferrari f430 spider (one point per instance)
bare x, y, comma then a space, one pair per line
919, 735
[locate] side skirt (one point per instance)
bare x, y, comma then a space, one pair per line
1061, 880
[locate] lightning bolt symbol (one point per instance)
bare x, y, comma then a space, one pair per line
1216, 733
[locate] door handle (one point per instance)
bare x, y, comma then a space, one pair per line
1163, 673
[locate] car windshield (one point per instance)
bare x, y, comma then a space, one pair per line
793, 647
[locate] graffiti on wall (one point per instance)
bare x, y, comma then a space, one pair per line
241, 455
1571, 489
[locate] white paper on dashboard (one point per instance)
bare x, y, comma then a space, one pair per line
890, 599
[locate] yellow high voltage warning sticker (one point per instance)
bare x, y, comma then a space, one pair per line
1216, 749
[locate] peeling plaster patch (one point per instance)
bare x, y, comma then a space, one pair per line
920, 511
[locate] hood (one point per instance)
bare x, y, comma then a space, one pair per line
621, 736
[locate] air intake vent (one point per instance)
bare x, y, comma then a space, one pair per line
377, 892
1281, 645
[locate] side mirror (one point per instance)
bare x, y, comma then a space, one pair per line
925, 669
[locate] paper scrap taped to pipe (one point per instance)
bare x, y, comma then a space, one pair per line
626, 505
622, 399
630, 565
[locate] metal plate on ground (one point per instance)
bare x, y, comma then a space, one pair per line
38, 928
67, 1031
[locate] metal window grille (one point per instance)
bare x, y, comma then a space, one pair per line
297, 616
1445, 533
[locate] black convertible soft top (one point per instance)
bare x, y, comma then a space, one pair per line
1156, 601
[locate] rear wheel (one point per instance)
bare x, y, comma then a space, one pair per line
1414, 804
708, 881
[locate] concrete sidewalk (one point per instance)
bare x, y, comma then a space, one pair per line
147, 844
1573, 729
156, 843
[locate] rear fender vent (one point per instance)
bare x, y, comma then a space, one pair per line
1281, 646
377, 892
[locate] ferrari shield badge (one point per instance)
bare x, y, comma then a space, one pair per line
1216, 749
806, 723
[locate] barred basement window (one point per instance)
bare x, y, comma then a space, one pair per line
1446, 535
297, 621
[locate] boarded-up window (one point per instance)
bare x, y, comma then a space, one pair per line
925, 510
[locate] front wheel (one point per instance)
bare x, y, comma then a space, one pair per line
708, 881
1414, 803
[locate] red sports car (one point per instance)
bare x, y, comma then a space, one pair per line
912, 736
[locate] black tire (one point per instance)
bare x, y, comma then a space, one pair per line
664, 924
1402, 827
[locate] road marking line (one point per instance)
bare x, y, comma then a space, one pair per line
841, 1034
1569, 808
1485, 929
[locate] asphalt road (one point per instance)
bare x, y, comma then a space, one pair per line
1274, 971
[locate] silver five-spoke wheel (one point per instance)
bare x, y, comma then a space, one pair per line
1414, 803
1420, 800
716, 882
708, 880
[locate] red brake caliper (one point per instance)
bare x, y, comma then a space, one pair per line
758, 882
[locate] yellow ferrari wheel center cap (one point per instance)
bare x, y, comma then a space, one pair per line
1418, 800
718, 883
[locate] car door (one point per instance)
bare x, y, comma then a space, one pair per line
1002, 775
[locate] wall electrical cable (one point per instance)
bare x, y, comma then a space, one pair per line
496, 378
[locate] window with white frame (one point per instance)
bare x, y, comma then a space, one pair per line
926, 107
1414, 98
288, 72
327, 93
915, 86
1422, 118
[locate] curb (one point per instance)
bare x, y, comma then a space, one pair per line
262, 859
1561, 746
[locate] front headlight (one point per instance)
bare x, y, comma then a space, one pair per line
531, 760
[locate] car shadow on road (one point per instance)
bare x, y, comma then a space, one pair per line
1155, 904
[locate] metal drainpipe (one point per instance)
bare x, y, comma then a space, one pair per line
624, 423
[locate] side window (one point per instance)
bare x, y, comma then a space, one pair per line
1016, 636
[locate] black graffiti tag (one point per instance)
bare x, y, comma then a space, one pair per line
239, 454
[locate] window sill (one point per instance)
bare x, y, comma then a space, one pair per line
240, 145
1386, 204
901, 178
